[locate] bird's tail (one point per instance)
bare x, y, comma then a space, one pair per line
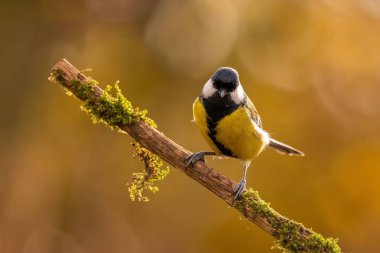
283, 148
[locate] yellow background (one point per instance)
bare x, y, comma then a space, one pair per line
312, 68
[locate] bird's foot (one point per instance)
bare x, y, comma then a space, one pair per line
240, 188
195, 157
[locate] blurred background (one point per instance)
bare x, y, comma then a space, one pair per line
311, 67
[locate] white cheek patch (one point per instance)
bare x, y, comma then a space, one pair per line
209, 89
238, 95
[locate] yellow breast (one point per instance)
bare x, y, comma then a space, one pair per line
200, 118
236, 131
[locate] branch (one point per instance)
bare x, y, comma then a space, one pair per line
290, 236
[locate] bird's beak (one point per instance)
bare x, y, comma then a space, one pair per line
222, 93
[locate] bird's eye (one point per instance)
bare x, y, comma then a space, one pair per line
228, 86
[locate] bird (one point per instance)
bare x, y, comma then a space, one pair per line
230, 124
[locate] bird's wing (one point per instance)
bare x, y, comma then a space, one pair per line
253, 112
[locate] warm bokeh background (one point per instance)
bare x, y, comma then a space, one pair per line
311, 67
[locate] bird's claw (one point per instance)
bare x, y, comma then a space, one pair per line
239, 189
193, 158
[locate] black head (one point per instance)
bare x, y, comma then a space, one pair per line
225, 78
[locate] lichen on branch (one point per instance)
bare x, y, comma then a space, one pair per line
114, 110
146, 179
290, 236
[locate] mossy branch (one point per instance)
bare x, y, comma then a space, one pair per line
290, 236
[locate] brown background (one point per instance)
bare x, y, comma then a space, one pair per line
311, 67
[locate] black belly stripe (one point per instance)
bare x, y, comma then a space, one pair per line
216, 109
212, 134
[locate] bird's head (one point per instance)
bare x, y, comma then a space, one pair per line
224, 82
225, 79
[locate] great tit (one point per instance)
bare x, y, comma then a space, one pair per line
229, 122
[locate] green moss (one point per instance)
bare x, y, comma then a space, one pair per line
115, 111
146, 179
290, 235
